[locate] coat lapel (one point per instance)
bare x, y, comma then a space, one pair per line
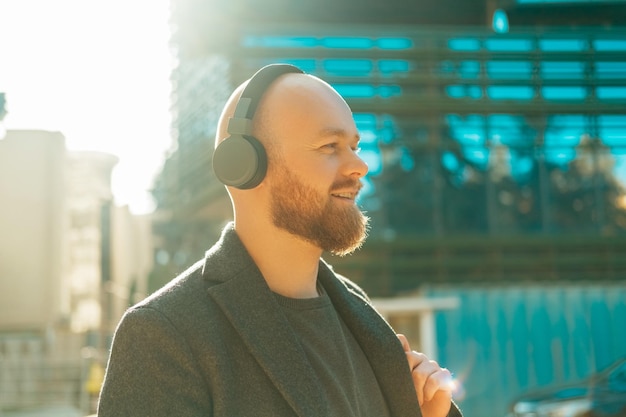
247, 301
378, 341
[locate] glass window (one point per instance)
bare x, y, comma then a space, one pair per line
562, 70
563, 133
469, 131
509, 69
391, 66
464, 91
469, 69
509, 45
564, 93
394, 43
366, 124
611, 93
609, 44
508, 129
306, 65
348, 43
610, 69
279, 42
464, 44
562, 45
500, 21
357, 67
389, 90
355, 90
508, 92
612, 130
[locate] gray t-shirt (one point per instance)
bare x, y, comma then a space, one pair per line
349, 384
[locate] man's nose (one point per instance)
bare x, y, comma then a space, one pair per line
355, 165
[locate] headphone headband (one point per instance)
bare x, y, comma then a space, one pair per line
240, 159
260, 82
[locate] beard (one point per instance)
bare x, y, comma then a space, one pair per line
302, 211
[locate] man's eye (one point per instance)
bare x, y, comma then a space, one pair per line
330, 145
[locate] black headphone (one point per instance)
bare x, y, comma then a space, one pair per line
240, 160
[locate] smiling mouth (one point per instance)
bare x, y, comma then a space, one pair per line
346, 196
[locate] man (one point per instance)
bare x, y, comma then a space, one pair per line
262, 326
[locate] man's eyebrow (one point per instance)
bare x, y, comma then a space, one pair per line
335, 131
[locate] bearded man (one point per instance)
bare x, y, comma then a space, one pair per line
262, 326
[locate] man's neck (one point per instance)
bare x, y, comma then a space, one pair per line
288, 263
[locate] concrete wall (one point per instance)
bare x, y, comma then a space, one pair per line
32, 228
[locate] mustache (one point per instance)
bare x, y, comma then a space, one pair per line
347, 183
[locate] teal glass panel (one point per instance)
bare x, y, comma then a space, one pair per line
394, 43
279, 42
609, 44
506, 92
357, 67
612, 130
564, 93
455, 91
509, 69
464, 44
348, 43
563, 133
391, 66
611, 93
355, 90
469, 69
450, 161
389, 91
373, 161
565, 129
306, 65
366, 124
469, 131
500, 21
562, 45
368, 136
479, 156
509, 45
610, 70
365, 119
406, 161
463, 91
562, 70
507, 129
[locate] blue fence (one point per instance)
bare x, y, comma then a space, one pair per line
506, 340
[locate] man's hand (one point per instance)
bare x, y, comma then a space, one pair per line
433, 384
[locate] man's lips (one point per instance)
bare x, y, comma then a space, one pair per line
346, 189
350, 195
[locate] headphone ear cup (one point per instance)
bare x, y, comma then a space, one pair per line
240, 161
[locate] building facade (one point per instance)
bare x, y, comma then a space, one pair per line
71, 262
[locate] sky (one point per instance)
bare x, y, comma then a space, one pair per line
98, 72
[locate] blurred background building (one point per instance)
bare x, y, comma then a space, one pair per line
495, 133
70, 263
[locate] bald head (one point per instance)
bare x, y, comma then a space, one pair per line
287, 109
287, 93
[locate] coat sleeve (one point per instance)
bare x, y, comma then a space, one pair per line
151, 371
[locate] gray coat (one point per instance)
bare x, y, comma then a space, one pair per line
214, 342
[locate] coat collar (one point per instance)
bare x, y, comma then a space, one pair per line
247, 301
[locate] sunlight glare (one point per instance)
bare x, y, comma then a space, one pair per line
98, 72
